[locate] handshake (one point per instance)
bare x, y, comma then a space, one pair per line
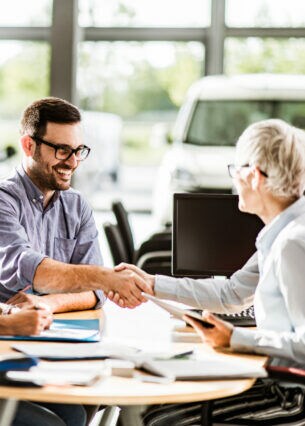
128, 283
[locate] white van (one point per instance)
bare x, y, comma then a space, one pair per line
216, 111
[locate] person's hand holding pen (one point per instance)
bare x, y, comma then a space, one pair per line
26, 322
24, 300
45, 313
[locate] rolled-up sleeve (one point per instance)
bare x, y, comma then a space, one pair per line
18, 261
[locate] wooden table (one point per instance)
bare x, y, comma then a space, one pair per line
148, 325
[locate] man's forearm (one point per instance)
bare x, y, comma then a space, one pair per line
52, 277
67, 302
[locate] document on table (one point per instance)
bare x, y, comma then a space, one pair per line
204, 369
71, 351
81, 330
62, 374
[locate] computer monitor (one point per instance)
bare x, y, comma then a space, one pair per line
211, 236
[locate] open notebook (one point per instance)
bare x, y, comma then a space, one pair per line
70, 330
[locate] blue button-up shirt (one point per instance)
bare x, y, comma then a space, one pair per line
65, 231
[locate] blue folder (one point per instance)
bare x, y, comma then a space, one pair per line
11, 362
82, 330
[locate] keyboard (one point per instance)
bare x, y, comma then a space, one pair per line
244, 318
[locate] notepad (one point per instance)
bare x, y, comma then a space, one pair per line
68, 330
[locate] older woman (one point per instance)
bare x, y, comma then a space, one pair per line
269, 174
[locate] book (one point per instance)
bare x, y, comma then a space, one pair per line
68, 330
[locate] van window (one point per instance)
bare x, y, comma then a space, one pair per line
221, 122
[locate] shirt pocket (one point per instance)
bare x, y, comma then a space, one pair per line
63, 249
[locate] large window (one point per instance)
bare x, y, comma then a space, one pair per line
265, 13
253, 54
144, 83
25, 13
157, 13
136, 58
24, 76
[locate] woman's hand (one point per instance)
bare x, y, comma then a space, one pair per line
218, 336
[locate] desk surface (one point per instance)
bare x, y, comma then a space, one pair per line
127, 326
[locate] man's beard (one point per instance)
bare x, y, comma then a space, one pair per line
44, 180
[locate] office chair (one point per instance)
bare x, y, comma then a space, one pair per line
154, 262
286, 374
161, 241
293, 376
116, 245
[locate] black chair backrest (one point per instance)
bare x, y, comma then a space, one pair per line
116, 244
121, 216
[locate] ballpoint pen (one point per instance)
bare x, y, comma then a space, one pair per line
154, 379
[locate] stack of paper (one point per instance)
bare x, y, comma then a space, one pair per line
204, 369
62, 373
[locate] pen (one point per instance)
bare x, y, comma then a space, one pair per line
155, 379
182, 354
41, 305
37, 307
27, 287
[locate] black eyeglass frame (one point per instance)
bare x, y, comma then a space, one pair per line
81, 148
233, 166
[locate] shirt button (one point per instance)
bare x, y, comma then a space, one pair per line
41, 197
34, 200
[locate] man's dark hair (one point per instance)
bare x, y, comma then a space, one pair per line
55, 110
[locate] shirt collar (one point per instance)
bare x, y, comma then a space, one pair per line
269, 233
34, 194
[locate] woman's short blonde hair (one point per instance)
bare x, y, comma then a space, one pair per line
278, 149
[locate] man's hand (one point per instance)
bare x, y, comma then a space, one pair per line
126, 285
149, 279
26, 322
218, 336
24, 300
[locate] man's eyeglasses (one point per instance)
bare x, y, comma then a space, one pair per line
64, 152
234, 170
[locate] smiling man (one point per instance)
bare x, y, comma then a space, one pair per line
49, 241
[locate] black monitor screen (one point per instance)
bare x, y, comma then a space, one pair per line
211, 236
